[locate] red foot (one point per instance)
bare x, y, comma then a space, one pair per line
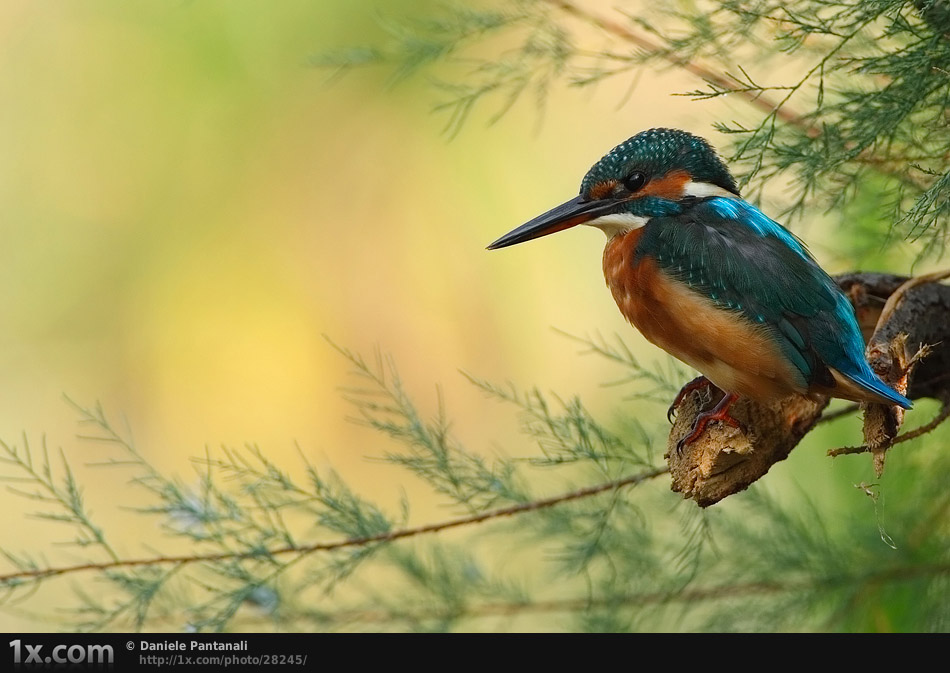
698, 383
719, 413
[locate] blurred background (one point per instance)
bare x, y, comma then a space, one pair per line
190, 207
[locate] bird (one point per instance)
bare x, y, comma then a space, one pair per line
712, 280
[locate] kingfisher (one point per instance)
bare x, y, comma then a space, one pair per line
712, 280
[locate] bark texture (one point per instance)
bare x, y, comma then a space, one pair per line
908, 346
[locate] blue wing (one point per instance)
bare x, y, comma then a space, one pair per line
732, 253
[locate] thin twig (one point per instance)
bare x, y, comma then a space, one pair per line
721, 592
752, 96
906, 437
619, 30
583, 604
891, 305
535, 505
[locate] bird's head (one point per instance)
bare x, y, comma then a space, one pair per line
647, 176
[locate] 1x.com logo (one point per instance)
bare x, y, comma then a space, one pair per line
24, 653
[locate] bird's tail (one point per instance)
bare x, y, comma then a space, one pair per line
865, 386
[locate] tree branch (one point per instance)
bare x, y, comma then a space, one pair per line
533, 506
583, 604
752, 95
754, 98
726, 460
942, 416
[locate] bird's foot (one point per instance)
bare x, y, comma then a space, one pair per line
718, 413
698, 383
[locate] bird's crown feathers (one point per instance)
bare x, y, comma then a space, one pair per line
657, 152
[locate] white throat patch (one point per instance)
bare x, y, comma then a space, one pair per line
704, 189
616, 224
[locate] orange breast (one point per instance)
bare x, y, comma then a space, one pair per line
731, 351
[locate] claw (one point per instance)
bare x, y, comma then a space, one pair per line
719, 413
698, 383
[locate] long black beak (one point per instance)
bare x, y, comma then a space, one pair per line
567, 215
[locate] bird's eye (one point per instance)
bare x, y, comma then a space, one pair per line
635, 181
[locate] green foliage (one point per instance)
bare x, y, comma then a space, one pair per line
266, 546
864, 118
537, 60
573, 526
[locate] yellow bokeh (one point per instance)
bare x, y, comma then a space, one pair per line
189, 207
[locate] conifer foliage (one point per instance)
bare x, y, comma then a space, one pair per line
573, 527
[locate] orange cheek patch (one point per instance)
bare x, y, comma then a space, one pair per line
602, 189
670, 186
